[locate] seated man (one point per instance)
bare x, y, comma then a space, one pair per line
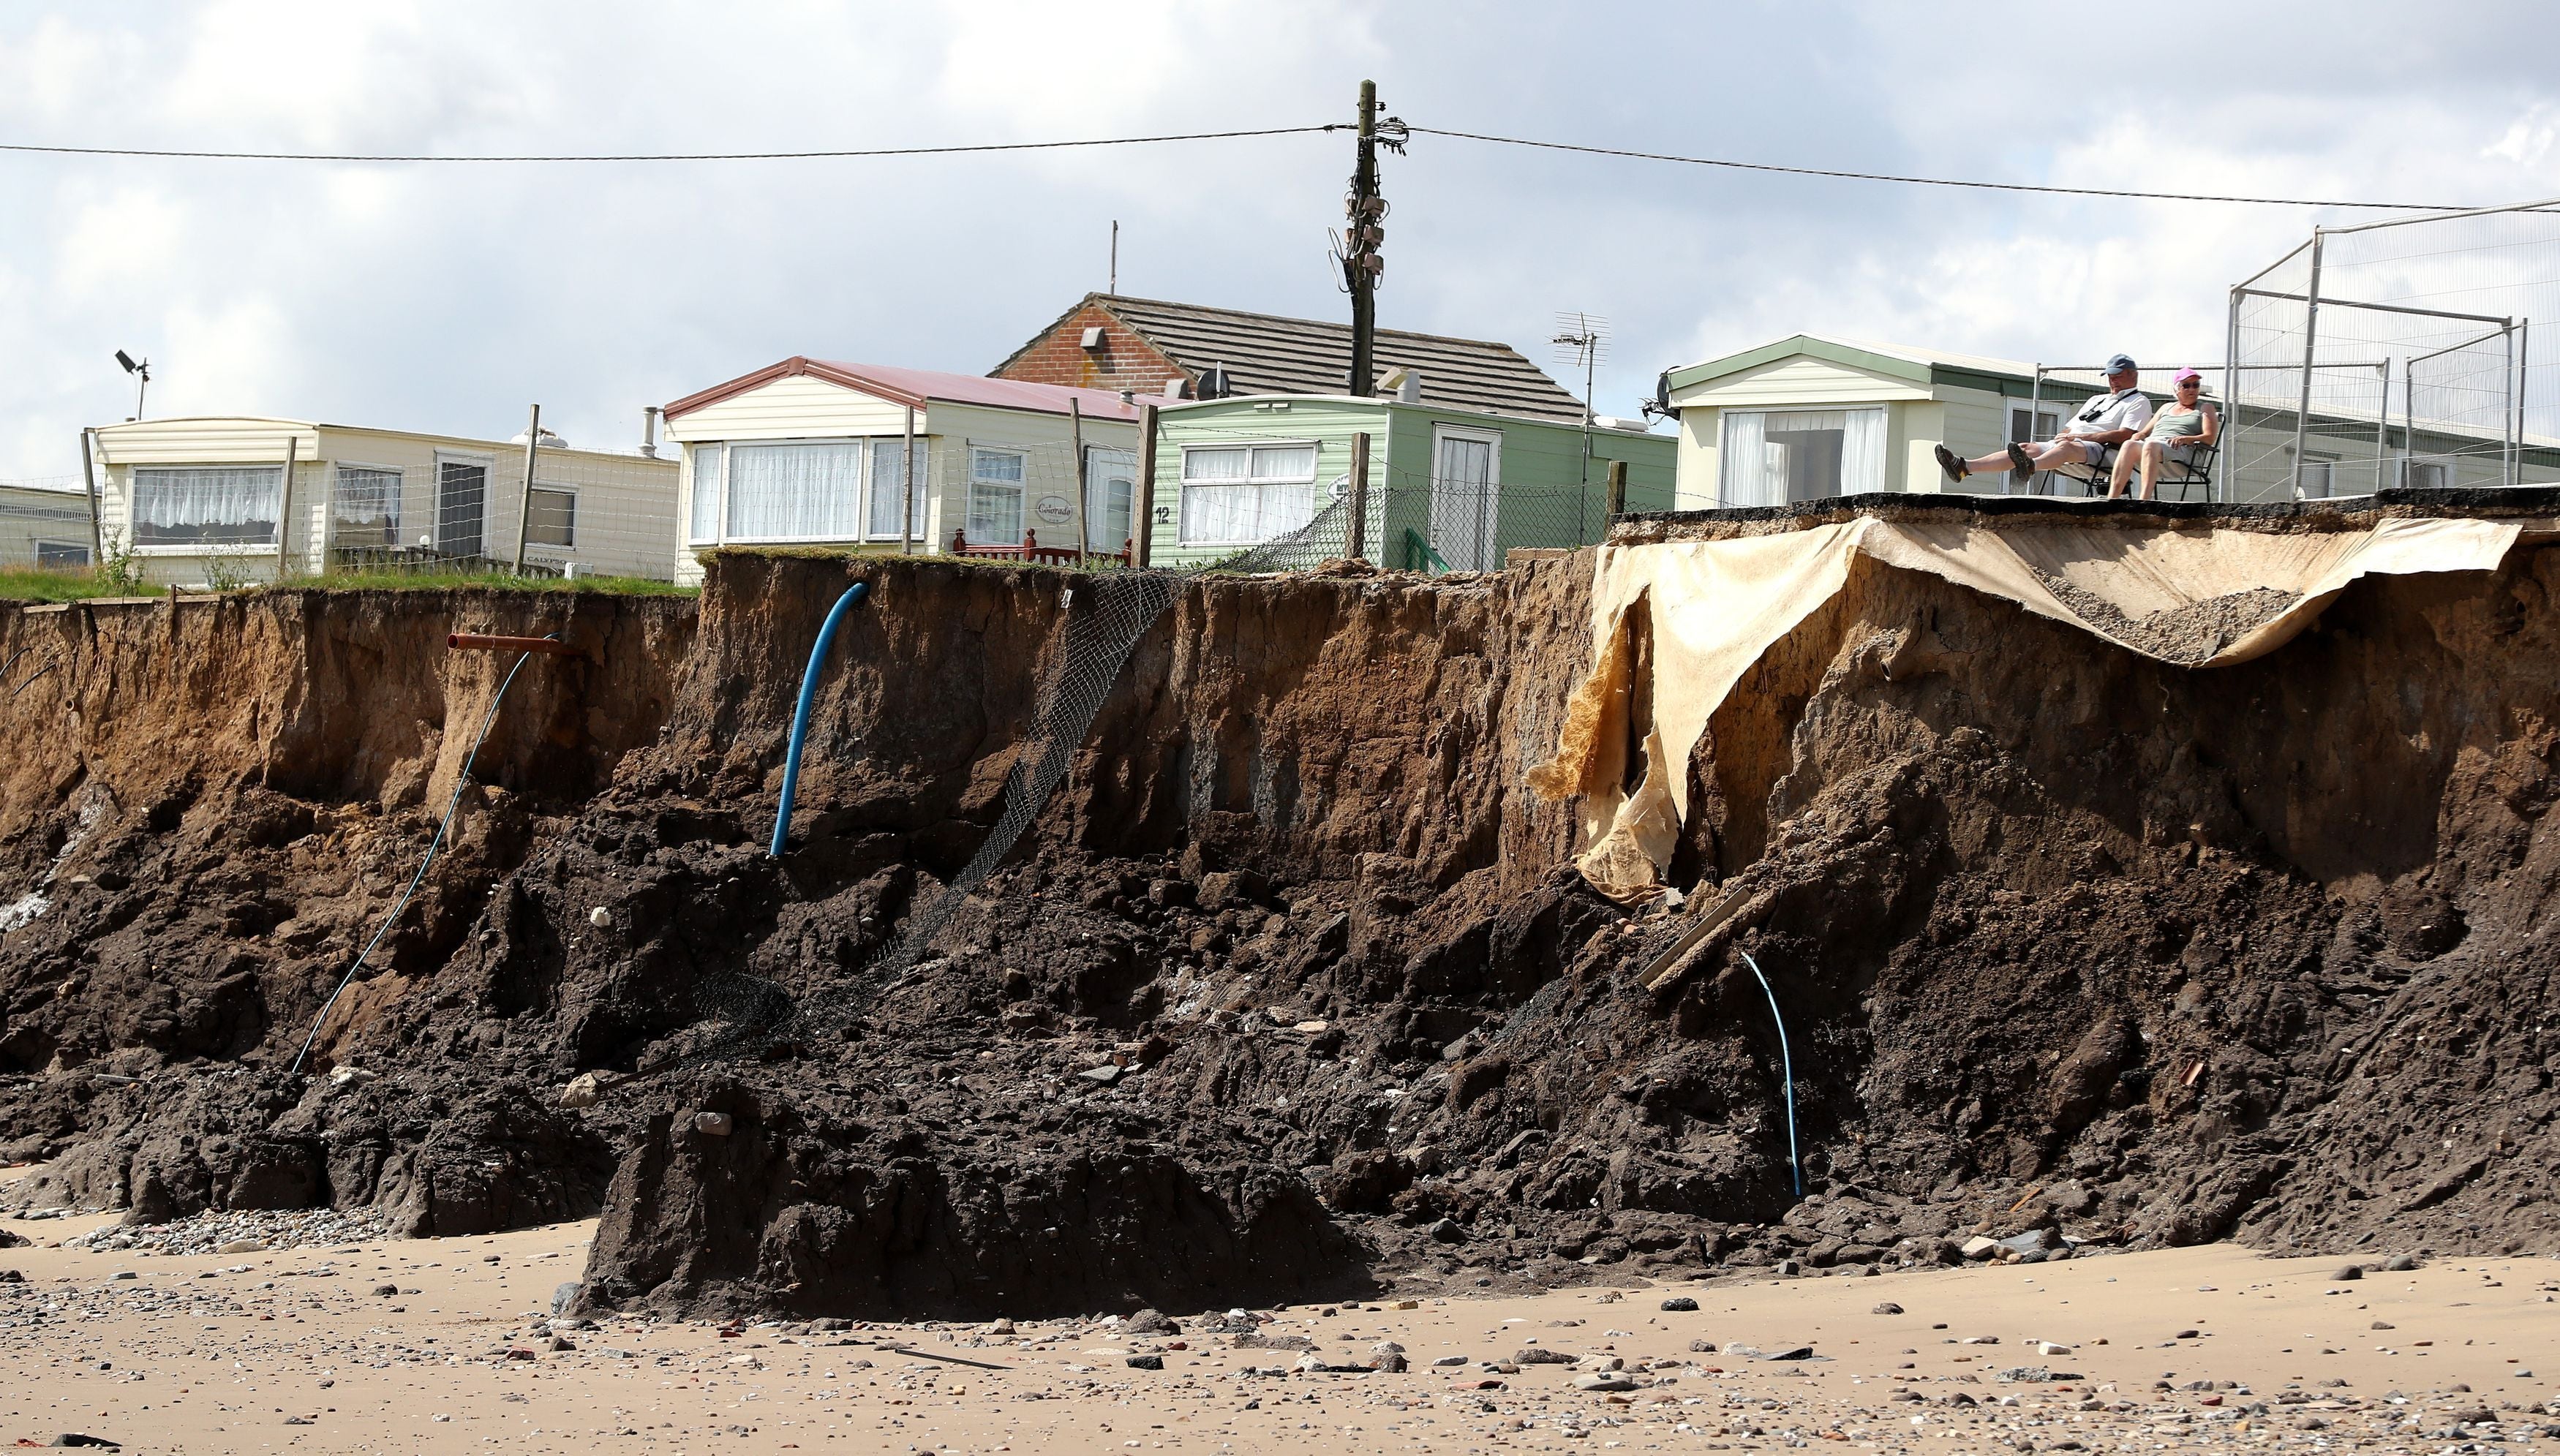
2107, 419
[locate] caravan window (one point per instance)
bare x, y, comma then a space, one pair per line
551, 518
795, 492
889, 510
1770, 457
995, 496
214, 506
1243, 495
703, 529
366, 508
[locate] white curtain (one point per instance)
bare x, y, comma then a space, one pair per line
996, 497
1110, 491
1238, 495
366, 507
186, 507
795, 492
1861, 451
888, 471
707, 478
1744, 464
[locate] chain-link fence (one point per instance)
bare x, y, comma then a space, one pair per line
587, 514
44, 524
2396, 354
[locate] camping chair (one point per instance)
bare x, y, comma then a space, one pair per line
2182, 475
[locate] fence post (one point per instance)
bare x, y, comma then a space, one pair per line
2311, 341
284, 506
1616, 489
524, 505
2524, 375
2231, 399
88, 480
1146, 488
1075, 442
907, 488
1356, 541
2382, 424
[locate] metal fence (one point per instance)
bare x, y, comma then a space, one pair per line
44, 524
2396, 354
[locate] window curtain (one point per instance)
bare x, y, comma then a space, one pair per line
1242, 495
1110, 488
706, 476
888, 471
995, 497
795, 492
1861, 451
367, 508
1744, 474
189, 507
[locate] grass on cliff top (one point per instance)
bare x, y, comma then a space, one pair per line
31, 584
25, 583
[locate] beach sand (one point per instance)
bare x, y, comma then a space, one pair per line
294, 1349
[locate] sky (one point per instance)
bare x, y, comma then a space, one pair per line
447, 298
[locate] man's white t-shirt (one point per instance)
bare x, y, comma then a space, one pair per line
2129, 410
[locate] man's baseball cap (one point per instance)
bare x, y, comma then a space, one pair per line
2118, 363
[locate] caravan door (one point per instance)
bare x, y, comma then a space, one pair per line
1466, 489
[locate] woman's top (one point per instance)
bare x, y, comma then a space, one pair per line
2173, 424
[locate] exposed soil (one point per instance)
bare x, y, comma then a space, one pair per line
2065, 940
2190, 633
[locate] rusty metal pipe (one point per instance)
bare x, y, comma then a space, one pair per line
484, 642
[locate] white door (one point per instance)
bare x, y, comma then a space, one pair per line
1465, 489
1110, 489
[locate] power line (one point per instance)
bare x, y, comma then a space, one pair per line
2280, 202
941, 151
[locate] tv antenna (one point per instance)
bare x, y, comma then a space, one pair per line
1581, 341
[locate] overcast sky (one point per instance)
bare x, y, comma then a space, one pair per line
446, 298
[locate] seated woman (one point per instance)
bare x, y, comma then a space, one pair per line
2178, 429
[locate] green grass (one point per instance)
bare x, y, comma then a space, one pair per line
29, 583
22, 584
485, 580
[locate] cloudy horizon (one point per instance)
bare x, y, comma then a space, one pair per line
446, 298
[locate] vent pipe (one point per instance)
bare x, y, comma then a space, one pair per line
649, 431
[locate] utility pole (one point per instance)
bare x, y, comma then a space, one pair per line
1364, 231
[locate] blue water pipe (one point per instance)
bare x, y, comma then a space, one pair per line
1787, 1065
800, 714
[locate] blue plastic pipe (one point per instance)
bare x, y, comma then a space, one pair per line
1786, 1066
800, 714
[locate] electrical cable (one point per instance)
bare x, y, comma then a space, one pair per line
2277, 202
808, 156
461, 782
1786, 1066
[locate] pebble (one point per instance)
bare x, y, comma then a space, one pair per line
258, 1230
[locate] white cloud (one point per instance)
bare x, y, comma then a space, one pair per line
447, 298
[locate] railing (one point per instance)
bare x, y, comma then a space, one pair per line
427, 559
1419, 553
1045, 555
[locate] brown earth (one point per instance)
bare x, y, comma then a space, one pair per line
2066, 939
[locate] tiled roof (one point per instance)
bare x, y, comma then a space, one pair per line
1264, 354
918, 387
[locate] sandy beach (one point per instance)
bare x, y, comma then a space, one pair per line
2202, 1348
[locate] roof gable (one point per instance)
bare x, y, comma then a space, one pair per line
1266, 353
915, 388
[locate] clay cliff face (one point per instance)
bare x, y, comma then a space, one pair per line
1292, 988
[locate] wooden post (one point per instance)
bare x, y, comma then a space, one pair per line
907, 484
1075, 442
89, 478
1356, 541
1146, 487
525, 506
1616, 489
284, 505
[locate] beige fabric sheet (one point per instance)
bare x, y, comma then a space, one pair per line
1717, 605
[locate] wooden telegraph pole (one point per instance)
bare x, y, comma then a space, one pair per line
1363, 232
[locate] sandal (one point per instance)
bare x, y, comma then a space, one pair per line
2020, 464
1951, 462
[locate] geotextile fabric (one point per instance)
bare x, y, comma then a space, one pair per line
1716, 606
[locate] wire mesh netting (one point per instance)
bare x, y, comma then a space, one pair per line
2397, 354
44, 524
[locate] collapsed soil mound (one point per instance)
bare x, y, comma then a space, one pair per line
1293, 991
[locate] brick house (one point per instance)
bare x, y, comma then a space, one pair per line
1151, 348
